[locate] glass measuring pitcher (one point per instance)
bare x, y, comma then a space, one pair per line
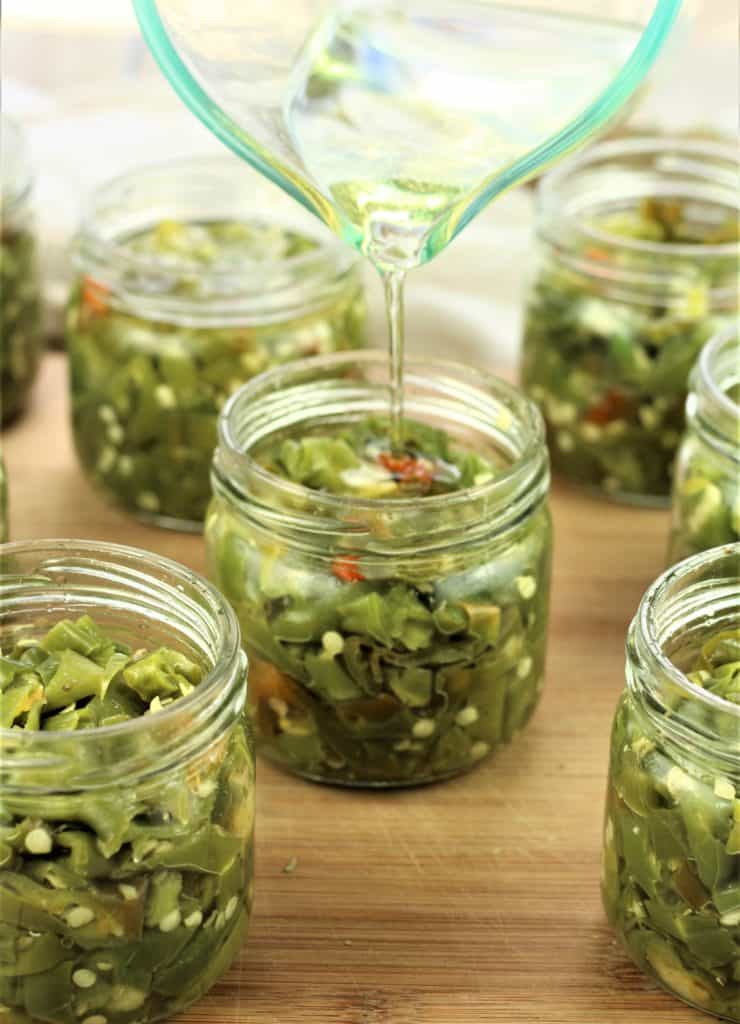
396, 121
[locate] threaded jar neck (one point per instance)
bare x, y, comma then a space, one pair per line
140, 599
682, 609
477, 410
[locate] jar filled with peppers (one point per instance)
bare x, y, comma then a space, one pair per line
182, 295
393, 597
637, 270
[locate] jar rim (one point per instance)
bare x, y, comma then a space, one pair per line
646, 626
143, 566
106, 253
332, 506
552, 183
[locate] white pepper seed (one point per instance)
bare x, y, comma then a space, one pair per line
565, 441
83, 978
479, 750
231, 907
78, 917
125, 465
591, 432
194, 920
129, 892
524, 667
165, 396
527, 586
333, 643
97, 1018
424, 728
39, 841
468, 716
649, 417
170, 921
106, 460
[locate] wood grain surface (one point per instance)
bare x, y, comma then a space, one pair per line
475, 901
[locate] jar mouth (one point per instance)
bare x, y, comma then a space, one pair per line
199, 190
327, 387
682, 601
670, 156
87, 576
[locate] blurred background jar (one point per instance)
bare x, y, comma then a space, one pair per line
638, 262
706, 488
20, 300
671, 854
181, 296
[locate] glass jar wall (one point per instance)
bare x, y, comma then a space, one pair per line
20, 298
127, 799
706, 488
671, 866
182, 296
3, 500
638, 266
393, 640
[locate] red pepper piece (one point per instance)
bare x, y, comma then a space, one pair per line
407, 469
346, 570
94, 297
613, 406
594, 252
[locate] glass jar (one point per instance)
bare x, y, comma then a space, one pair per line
706, 487
637, 269
165, 322
671, 864
20, 296
102, 829
392, 641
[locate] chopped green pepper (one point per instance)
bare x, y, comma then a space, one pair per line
396, 670
125, 906
609, 366
147, 386
671, 864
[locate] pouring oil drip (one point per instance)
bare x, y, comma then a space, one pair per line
399, 112
396, 121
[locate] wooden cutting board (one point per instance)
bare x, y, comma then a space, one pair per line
471, 902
